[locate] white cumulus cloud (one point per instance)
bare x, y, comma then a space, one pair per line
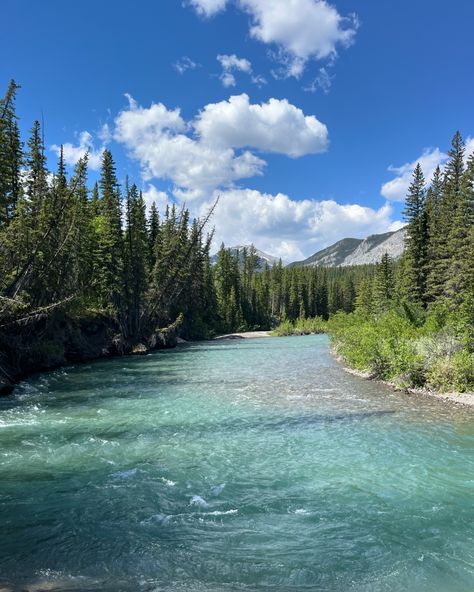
275, 126
303, 28
162, 142
153, 195
208, 8
232, 63
397, 188
292, 229
300, 30
73, 152
205, 154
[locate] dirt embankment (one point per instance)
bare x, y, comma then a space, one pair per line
61, 339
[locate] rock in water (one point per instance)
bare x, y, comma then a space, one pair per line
139, 349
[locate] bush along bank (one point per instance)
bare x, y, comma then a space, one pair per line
406, 346
424, 350
311, 326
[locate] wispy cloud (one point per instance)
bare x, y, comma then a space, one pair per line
85, 145
208, 8
185, 63
323, 81
231, 64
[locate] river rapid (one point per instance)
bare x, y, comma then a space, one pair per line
233, 466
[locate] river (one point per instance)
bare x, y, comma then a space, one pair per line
233, 466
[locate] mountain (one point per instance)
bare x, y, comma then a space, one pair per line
355, 251
262, 257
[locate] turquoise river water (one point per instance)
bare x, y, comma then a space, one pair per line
233, 466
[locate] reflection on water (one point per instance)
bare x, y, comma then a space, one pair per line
257, 465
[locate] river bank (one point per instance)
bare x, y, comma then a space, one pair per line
465, 399
62, 339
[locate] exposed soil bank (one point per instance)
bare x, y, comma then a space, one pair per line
61, 339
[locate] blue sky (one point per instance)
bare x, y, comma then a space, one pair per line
333, 103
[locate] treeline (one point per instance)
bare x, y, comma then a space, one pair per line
68, 249
249, 297
65, 247
414, 321
96, 251
437, 266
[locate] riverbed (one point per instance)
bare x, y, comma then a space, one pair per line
241, 465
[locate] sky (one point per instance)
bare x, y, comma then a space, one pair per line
306, 117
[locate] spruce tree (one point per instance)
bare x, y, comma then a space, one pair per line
36, 183
136, 260
383, 286
153, 229
109, 256
11, 155
416, 239
438, 231
462, 221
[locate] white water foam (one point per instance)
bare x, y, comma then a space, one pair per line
125, 474
197, 500
217, 489
168, 482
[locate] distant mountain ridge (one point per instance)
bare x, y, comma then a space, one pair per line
262, 257
355, 251
346, 252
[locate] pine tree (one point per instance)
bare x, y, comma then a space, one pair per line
462, 219
153, 229
136, 260
109, 256
11, 155
437, 236
383, 286
416, 239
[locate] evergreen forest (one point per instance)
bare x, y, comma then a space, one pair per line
86, 269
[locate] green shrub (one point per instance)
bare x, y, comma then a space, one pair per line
301, 327
453, 373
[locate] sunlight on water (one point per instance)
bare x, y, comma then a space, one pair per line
250, 465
